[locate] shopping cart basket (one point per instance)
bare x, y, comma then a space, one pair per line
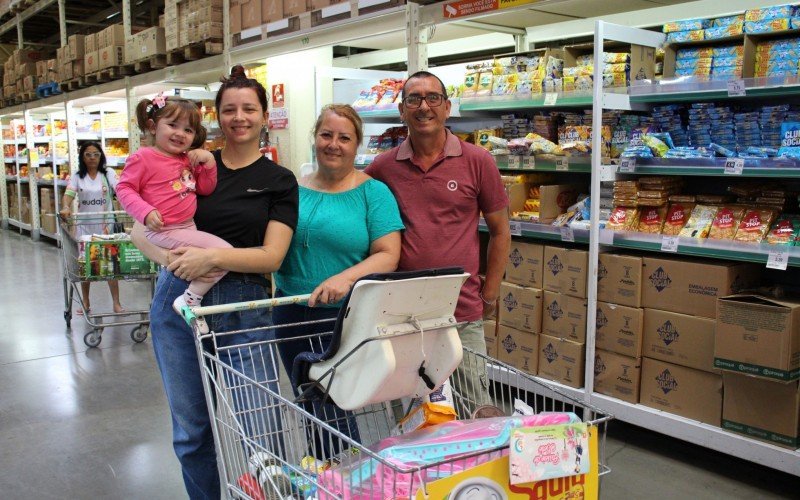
90, 253
275, 444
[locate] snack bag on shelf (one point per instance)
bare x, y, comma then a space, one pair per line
699, 223
686, 36
686, 25
725, 222
754, 225
766, 26
651, 219
484, 87
733, 29
694, 53
470, 83
364, 101
623, 219
785, 231
769, 13
725, 21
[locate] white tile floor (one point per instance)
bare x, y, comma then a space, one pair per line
93, 423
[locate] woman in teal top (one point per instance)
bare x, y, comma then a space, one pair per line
348, 226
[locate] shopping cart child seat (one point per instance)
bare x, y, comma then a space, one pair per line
395, 337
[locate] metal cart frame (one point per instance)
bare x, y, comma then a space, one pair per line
73, 266
264, 432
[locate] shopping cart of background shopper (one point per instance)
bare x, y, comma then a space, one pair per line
94, 248
281, 436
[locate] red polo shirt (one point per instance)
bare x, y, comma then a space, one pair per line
440, 209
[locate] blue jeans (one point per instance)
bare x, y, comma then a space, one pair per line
176, 355
325, 445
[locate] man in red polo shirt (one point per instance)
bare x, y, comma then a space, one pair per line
442, 184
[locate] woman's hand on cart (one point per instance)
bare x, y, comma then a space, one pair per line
189, 263
65, 213
330, 291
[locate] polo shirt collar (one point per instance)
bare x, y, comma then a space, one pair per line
452, 147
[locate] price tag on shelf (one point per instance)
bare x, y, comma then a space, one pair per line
627, 165
528, 162
514, 161
669, 244
550, 98
516, 227
777, 259
736, 88
562, 164
734, 166
567, 234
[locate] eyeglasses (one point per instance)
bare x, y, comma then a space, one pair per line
91, 155
414, 101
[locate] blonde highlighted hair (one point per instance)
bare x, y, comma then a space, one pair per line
345, 111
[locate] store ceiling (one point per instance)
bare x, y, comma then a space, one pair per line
82, 16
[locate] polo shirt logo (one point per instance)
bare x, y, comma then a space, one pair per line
452, 185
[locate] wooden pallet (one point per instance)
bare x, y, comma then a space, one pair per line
154, 62
29, 96
108, 74
195, 51
74, 84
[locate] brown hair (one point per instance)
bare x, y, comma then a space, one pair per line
238, 80
174, 107
345, 111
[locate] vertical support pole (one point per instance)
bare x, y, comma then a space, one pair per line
227, 36
62, 21
133, 128
594, 225
126, 18
19, 32
521, 43
33, 168
3, 184
72, 136
416, 39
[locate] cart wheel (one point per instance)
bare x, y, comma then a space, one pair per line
68, 317
93, 338
139, 334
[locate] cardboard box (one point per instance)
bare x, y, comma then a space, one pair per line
525, 264
48, 222
112, 36
235, 17
762, 409
251, 14
518, 349
680, 390
109, 57
29, 83
520, 307
564, 317
692, 286
46, 200
295, 7
562, 361
172, 26
271, 11
619, 329
565, 271
76, 50
679, 338
490, 336
91, 62
619, 279
90, 43
758, 336
617, 376
150, 42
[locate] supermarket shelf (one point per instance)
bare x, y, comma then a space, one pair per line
705, 435
545, 163
24, 180
758, 167
364, 160
720, 249
87, 136
21, 225
11, 178
115, 134
380, 115
115, 161
514, 103
541, 231
10, 160
58, 161
46, 182
689, 90
52, 236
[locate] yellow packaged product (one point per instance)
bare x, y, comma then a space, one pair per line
699, 223
677, 215
568, 82
651, 219
623, 219
725, 222
470, 84
531, 205
434, 409
484, 88
754, 225
541, 145
482, 138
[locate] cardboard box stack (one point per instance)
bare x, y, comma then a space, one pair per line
187, 22
20, 72
71, 58
519, 315
680, 301
145, 45
47, 209
757, 343
619, 320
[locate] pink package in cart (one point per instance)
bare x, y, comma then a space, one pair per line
549, 452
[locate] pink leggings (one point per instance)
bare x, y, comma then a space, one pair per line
185, 234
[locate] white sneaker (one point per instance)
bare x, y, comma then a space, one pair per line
182, 308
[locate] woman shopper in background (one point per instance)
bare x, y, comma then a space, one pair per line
254, 208
93, 186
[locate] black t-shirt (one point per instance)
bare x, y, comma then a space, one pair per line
245, 200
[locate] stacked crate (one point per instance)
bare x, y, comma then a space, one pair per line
194, 28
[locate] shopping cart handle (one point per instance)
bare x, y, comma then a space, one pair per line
191, 313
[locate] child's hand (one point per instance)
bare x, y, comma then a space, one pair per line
153, 221
200, 157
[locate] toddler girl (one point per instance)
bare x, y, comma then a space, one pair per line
159, 183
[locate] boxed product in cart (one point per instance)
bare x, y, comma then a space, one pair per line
113, 258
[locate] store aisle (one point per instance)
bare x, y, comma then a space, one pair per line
93, 423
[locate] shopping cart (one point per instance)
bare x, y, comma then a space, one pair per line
90, 253
273, 444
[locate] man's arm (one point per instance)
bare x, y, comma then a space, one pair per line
497, 255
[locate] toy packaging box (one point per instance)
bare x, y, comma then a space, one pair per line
114, 258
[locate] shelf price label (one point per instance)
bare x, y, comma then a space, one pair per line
669, 244
550, 98
513, 161
627, 165
528, 162
777, 259
736, 88
562, 164
516, 228
567, 234
734, 166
